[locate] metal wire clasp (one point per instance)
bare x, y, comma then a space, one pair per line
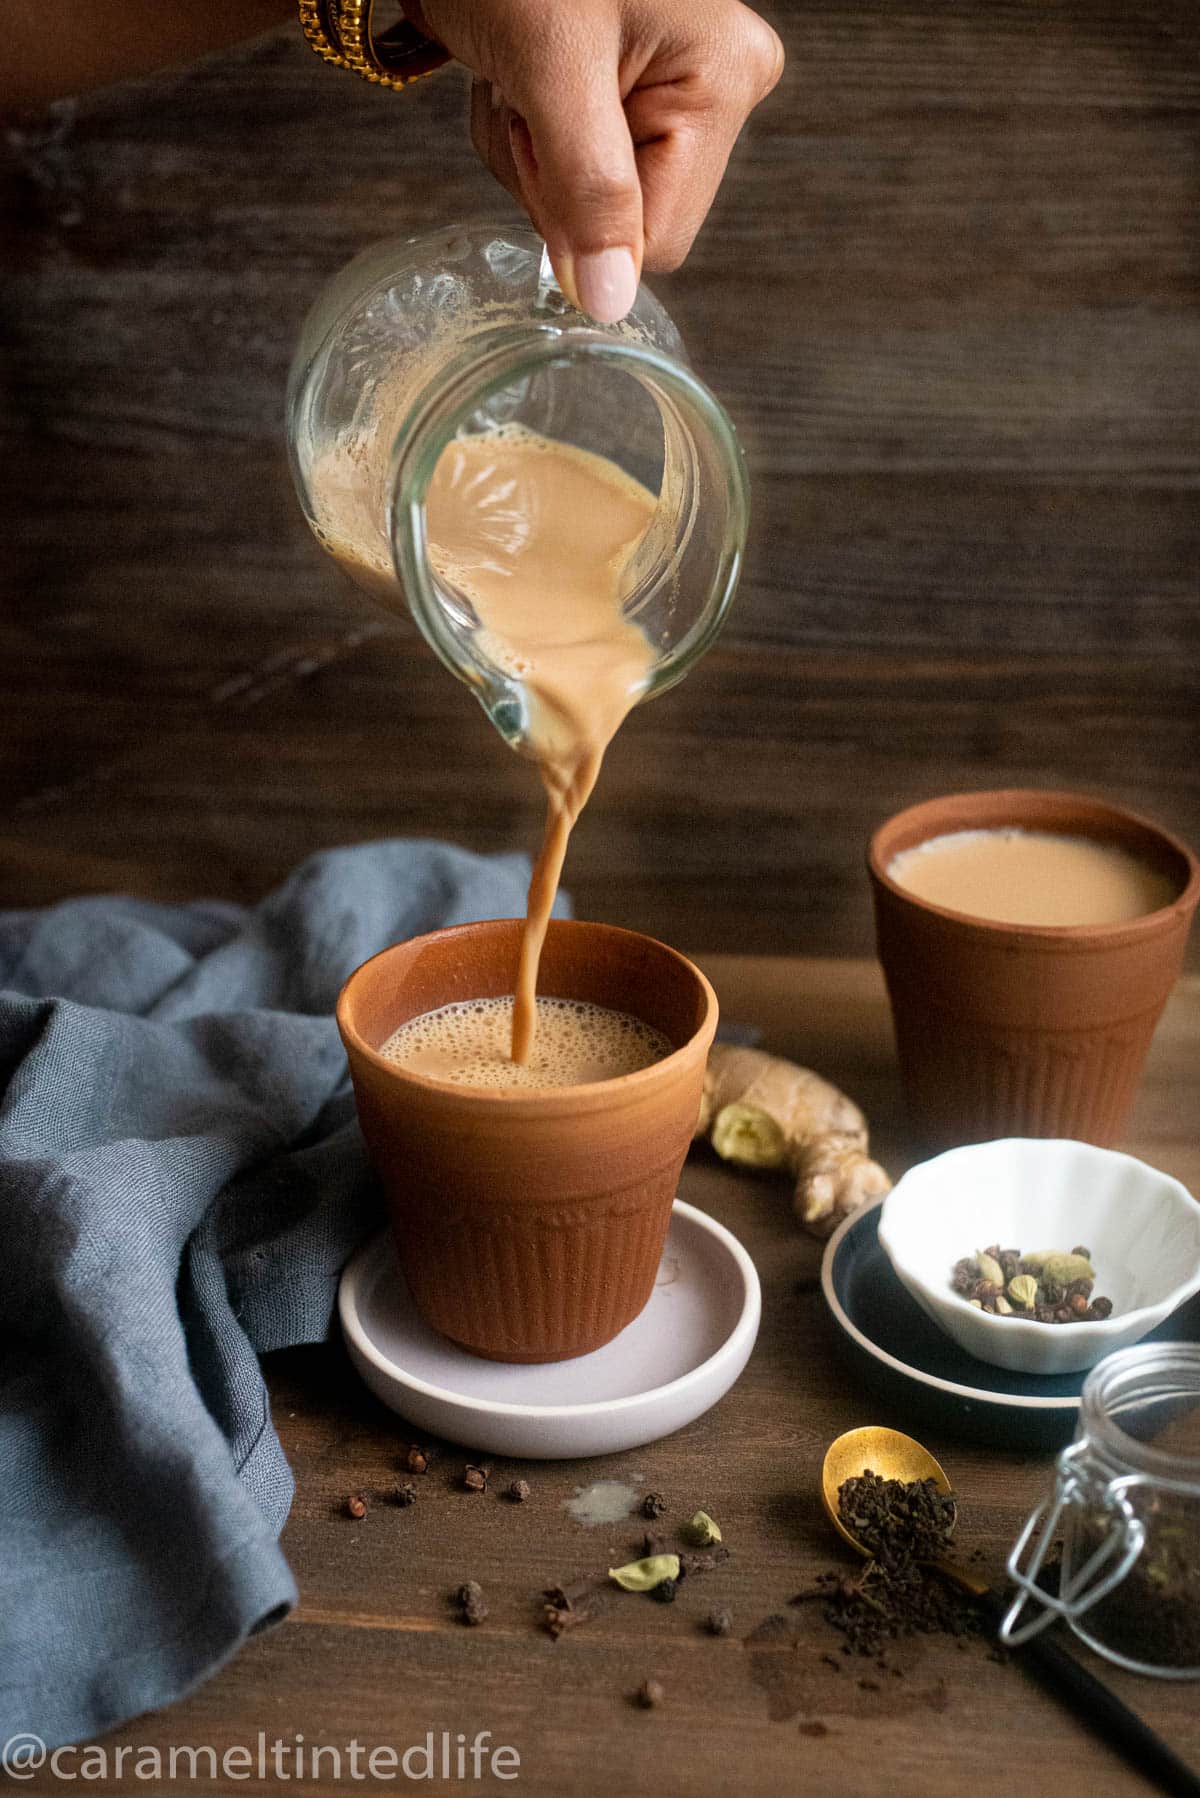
1125, 1538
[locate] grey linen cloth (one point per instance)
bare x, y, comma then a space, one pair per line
181, 1181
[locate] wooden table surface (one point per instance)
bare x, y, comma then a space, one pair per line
374, 1653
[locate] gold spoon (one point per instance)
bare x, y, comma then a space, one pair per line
894, 1456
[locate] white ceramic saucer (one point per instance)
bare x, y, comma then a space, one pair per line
670, 1365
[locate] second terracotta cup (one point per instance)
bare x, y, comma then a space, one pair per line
529, 1225
1023, 1029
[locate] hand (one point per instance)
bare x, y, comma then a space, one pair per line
610, 121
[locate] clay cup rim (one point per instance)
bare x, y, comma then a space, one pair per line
1036, 808
595, 1094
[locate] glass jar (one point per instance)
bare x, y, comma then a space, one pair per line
1127, 1502
422, 340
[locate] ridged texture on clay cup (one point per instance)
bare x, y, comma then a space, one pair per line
529, 1225
1025, 1030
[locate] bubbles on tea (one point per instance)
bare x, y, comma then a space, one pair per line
575, 1043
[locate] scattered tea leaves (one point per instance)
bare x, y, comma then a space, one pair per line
897, 1521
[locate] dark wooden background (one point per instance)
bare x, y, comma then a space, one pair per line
951, 293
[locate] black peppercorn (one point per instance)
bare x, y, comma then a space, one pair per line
471, 1602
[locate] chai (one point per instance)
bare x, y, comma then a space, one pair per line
575, 1044
1015, 876
539, 536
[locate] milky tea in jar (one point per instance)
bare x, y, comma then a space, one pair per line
561, 506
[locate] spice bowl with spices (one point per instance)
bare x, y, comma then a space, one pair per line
1042, 1255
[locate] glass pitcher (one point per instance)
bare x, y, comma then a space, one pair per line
421, 340
1127, 1504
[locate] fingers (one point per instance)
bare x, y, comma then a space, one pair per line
615, 121
684, 131
491, 123
504, 142
680, 175
574, 158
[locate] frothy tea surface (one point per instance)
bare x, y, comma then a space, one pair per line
1015, 876
575, 1043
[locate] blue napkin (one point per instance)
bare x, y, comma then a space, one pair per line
181, 1181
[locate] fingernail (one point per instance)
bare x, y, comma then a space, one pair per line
564, 274
607, 284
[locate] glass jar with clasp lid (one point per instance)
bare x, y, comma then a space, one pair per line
464, 331
1127, 1504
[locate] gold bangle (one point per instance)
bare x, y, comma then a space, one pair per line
314, 23
340, 33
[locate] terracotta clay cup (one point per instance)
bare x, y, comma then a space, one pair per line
529, 1225
1023, 1029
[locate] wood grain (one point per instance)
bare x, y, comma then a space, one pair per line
951, 293
374, 1651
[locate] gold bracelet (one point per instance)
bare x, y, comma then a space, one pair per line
314, 23
340, 33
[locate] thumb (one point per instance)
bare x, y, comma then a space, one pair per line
579, 175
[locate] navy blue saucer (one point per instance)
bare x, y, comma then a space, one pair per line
920, 1374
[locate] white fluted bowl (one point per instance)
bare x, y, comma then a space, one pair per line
1142, 1227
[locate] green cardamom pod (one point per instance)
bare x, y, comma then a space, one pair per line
644, 1575
989, 1268
1066, 1268
703, 1531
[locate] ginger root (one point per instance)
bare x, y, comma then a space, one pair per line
758, 1110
